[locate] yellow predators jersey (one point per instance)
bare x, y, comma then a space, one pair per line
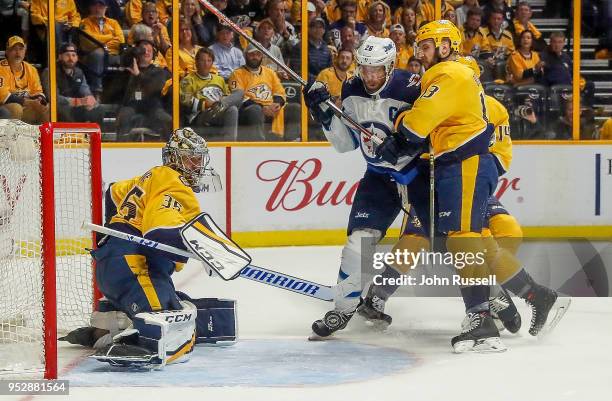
260, 87
199, 92
17, 82
501, 147
154, 205
451, 111
65, 11
475, 41
403, 55
333, 81
503, 44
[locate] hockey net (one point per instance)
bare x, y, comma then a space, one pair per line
48, 175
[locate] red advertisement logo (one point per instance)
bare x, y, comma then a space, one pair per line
507, 183
298, 185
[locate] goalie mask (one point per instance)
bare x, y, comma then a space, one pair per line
187, 153
375, 52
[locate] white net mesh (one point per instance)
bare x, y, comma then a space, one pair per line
21, 268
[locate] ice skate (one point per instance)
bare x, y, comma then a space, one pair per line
478, 334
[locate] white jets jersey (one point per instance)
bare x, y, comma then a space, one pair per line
376, 113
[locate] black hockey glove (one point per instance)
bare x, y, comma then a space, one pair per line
315, 96
395, 146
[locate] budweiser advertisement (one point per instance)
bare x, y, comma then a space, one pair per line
312, 187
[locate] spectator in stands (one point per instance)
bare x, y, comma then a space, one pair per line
187, 50
264, 98
319, 56
378, 13
414, 65
451, 16
461, 12
523, 22
150, 18
415, 5
524, 65
409, 20
75, 102
508, 13
335, 75
66, 18
108, 34
192, 12
21, 93
227, 56
348, 40
404, 50
263, 34
502, 46
557, 63
314, 11
16, 9
563, 127
474, 38
133, 10
605, 133
211, 110
501, 40
285, 35
348, 11
140, 32
142, 110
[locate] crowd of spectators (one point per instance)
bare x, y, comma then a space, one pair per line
114, 59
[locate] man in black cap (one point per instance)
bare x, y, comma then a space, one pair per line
75, 101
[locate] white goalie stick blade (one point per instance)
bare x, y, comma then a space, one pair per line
557, 311
287, 282
205, 239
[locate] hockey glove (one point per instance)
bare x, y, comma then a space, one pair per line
395, 146
315, 96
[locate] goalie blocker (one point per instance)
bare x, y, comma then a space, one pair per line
205, 239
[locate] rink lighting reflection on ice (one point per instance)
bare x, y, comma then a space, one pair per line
259, 363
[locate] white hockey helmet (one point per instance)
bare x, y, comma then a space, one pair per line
375, 51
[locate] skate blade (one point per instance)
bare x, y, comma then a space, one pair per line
483, 346
315, 337
557, 311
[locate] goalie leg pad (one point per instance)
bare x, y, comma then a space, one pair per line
216, 323
157, 339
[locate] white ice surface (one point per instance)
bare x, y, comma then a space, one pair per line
572, 363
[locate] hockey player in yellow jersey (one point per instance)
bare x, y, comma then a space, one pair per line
502, 236
451, 114
135, 280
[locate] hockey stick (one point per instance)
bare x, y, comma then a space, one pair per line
432, 194
236, 28
251, 272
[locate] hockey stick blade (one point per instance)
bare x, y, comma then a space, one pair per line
287, 282
209, 242
255, 273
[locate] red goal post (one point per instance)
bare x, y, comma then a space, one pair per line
52, 181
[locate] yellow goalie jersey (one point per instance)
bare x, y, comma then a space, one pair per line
155, 205
451, 111
501, 147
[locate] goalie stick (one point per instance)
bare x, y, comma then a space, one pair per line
236, 28
250, 272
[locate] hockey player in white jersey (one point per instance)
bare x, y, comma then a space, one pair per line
373, 98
